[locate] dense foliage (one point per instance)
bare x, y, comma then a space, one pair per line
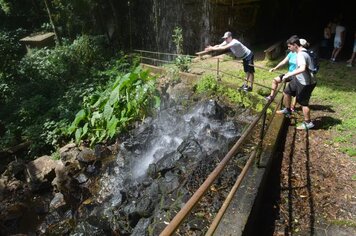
210, 86
106, 113
42, 91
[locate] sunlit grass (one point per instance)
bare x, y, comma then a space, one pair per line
335, 91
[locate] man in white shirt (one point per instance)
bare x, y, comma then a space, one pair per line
241, 52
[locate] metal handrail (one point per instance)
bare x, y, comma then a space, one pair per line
231, 194
162, 53
154, 59
188, 207
241, 176
190, 204
217, 70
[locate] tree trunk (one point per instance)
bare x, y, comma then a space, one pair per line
51, 21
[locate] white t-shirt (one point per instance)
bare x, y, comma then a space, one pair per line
339, 29
305, 78
237, 48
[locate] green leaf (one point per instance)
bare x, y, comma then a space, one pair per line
78, 135
96, 116
157, 101
111, 126
108, 110
79, 117
85, 129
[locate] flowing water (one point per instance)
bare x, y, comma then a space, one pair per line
158, 137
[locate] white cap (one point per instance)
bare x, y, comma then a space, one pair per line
304, 42
227, 34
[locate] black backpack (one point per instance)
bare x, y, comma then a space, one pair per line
314, 67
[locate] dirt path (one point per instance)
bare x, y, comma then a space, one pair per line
317, 194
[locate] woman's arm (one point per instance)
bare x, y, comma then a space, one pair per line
283, 62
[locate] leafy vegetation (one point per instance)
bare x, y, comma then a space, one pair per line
209, 85
43, 90
178, 39
106, 113
183, 62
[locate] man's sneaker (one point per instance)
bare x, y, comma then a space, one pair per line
286, 112
247, 89
306, 126
268, 98
349, 65
243, 86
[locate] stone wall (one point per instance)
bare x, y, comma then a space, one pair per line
151, 23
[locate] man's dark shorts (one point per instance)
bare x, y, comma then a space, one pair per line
247, 61
301, 92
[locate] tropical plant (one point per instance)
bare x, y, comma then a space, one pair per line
183, 62
178, 39
104, 115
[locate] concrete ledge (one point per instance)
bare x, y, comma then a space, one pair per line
185, 77
247, 196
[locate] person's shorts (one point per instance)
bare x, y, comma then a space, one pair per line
337, 43
279, 78
247, 61
301, 92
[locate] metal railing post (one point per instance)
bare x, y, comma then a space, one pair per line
262, 135
217, 70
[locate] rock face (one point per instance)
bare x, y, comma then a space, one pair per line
41, 172
157, 167
203, 23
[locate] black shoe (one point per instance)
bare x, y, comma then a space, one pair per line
243, 87
247, 89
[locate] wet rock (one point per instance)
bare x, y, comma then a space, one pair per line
100, 218
3, 182
67, 147
145, 207
84, 228
69, 152
152, 171
169, 183
141, 229
86, 155
14, 212
167, 162
54, 225
14, 185
197, 224
102, 151
15, 169
40, 206
140, 138
91, 169
81, 178
152, 191
160, 222
211, 109
190, 148
41, 172
57, 202
64, 175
